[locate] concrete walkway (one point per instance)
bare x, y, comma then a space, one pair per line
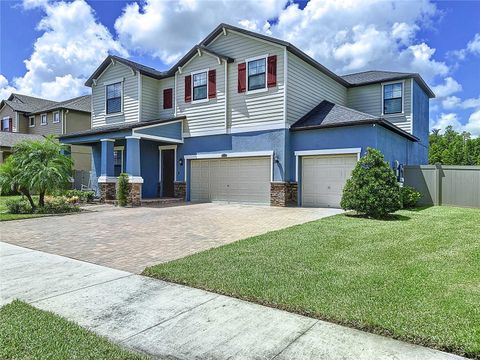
167, 320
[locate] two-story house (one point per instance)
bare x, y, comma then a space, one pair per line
27, 117
244, 117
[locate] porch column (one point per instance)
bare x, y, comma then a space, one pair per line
107, 167
132, 168
107, 181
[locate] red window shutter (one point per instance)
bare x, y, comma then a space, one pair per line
272, 71
188, 88
212, 84
167, 98
242, 77
11, 124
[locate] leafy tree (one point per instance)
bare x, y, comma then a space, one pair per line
373, 189
10, 180
41, 166
453, 148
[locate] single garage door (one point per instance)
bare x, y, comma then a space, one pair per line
232, 180
323, 179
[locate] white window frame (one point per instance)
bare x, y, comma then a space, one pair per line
167, 147
403, 98
41, 119
266, 73
111, 82
53, 120
30, 121
191, 86
8, 119
122, 152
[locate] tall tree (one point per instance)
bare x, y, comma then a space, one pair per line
453, 148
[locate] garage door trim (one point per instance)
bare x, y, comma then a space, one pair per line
245, 154
345, 151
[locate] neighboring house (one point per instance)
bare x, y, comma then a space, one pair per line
26, 117
243, 117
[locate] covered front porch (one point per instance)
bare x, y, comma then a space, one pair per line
147, 152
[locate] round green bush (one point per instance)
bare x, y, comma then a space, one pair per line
410, 196
373, 189
18, 206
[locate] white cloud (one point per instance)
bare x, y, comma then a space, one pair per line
473, 125
474, 45
454, 102
346, 36
451, 119
450, 86
5, 88
72, 45
168, 29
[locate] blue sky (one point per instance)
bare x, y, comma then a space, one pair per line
63, 42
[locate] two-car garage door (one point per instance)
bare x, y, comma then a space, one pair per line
323, 179
232, 180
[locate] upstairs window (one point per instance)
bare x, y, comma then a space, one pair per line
31, 121
199, 86
56, 117
392, 98
43, 119
256, 74
114, 98
7, 124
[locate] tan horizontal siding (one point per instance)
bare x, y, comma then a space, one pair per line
150, 99
130, 96
206, 116
307, 87
368, 99
260, 109
168, 83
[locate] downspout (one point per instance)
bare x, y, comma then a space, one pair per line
226, 97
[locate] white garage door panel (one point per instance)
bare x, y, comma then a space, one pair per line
323, 179
232, 180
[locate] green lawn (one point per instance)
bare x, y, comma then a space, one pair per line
29, 333
416, 278
4, 215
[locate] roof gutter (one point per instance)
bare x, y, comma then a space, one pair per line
382, 122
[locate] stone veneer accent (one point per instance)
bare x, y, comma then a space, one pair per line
283, 194
107, 191
135, 194
180, 189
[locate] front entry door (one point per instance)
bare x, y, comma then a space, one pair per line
168, 169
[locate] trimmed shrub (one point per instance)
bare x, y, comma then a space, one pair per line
18, 206
57, 205
83, 196
373, 189
122, 189
410, 196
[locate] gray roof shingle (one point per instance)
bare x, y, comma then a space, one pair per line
329, 115
376, 76
8, 139
27, 104
81, 103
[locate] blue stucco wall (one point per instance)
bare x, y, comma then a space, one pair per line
242, 142
421, 126
172, 131
149, 168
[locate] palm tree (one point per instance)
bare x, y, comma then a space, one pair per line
11, 181
43, 166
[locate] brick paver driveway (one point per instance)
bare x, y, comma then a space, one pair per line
131, 239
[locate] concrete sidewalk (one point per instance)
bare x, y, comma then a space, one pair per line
167, 320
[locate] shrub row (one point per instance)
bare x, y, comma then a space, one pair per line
53, 205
